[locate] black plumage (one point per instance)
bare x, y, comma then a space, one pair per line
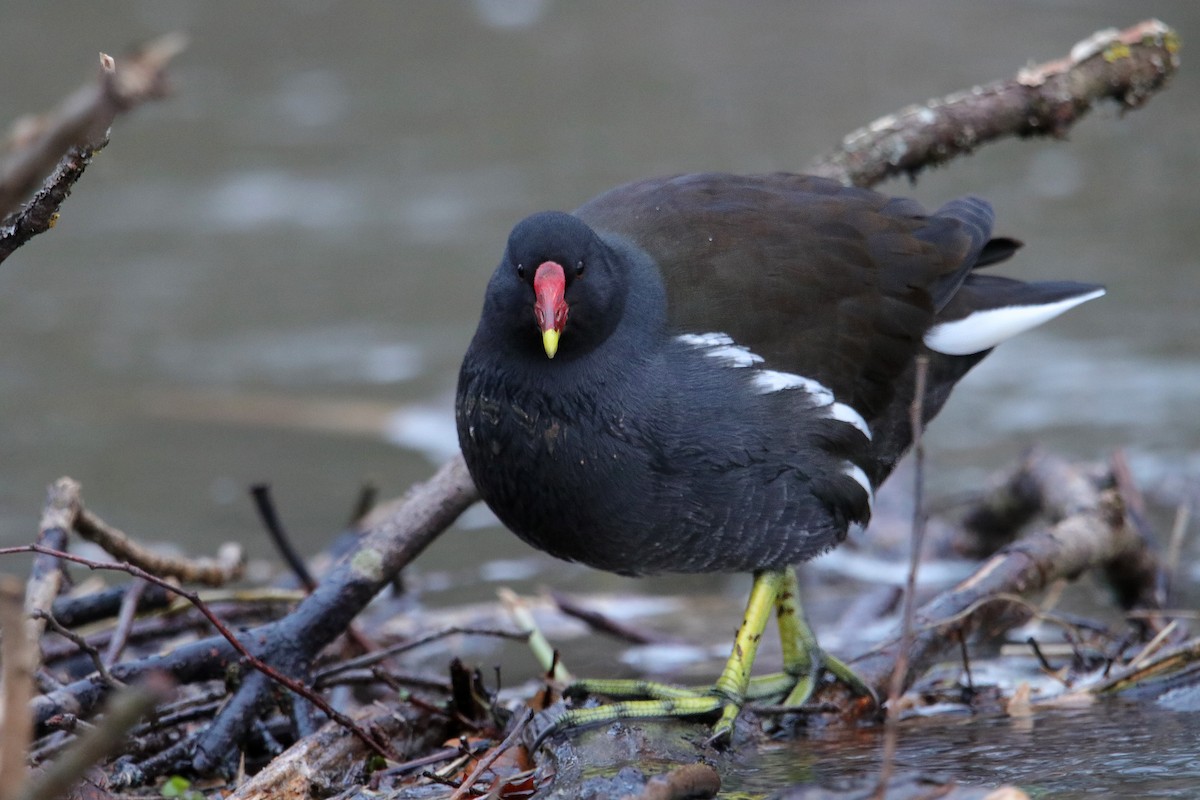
636, 451
713, 373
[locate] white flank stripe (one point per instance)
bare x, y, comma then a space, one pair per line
734, 355
844, 413
721, 346
768, 380
984, 330
705, 339
854, 471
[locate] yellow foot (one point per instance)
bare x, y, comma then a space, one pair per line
641, 699
820, 663
804, 665
638, 699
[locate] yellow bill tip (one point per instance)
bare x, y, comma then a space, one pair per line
550, 342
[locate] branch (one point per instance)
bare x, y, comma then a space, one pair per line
62, 144
395, 534
264, 668
1092, 532
224, 568
64, 511
96, 744
1126, 66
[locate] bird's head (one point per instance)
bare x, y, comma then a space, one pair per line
566, 270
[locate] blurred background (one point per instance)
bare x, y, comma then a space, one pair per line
272, 275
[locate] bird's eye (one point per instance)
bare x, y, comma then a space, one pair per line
579, 269
521, 271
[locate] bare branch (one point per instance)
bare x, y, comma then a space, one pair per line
1127, 66
1086, 537
128, 706
84, 118
226, 567
61, 144
46, 576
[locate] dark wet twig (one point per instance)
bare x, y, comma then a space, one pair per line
1040, 656
385, 653
965, 654
428, 760
193, 708
105, 603
269, 515
367, 497
397, 681
127, 707
193, 598
168, 626
84, 647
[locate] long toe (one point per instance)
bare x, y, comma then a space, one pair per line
820, 663
664, 701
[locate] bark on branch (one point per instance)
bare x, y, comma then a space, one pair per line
61, 144
1091, 532
1127, 66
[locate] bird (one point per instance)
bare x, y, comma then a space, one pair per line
713, 373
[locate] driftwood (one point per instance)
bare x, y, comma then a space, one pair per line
1089, 526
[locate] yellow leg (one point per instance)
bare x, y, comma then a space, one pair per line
803, 663
735, 678
803, 658
727, 695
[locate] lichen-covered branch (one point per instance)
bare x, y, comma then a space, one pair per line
1126, 66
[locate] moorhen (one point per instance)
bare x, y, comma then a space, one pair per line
714, 373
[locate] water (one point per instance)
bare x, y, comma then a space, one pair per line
272, 275
1110, 750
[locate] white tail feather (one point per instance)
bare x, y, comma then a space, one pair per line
985, 329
